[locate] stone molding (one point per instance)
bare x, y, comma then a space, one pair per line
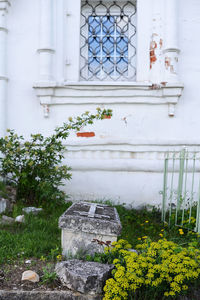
124, 93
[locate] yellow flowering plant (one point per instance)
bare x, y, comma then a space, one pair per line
160, 269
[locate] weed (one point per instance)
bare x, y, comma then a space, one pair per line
49, 275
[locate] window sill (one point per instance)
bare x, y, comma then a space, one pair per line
52, 93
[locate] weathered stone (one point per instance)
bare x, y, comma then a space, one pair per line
84, 222
83, 276
6, 220
20, 219
12, 193
33, 210
30, 276
4, 205
46, 295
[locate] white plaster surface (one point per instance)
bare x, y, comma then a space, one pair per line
138, 123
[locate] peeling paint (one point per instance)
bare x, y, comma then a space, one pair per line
169, 64
155, 86
46, 110
156, 45
176, 59
125, 119
161, 43
153, 58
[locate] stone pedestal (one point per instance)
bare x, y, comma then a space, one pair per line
83, 222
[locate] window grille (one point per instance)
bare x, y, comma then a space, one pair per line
108, 40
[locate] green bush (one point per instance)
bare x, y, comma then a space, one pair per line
34, 166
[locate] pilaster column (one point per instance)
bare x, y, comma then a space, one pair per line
171, 50
46, 50
3, 64
156, 42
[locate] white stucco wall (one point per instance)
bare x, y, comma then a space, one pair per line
124, 161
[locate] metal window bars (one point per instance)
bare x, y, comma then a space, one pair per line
108, 40
181, 190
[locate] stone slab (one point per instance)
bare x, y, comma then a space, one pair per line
83, 276
63, 295
45, 295
105, 220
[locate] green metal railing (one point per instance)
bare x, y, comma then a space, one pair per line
181, 189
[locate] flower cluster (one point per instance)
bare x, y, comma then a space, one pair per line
161, 266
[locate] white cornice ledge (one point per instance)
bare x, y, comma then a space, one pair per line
52, 93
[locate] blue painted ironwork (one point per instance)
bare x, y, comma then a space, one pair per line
108, 49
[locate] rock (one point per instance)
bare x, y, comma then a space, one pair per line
1, 276
6, 220
83, 276
33, 210
20, 219
30, 276
4, 205
28, 261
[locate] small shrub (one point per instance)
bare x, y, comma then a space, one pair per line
160, 269
34, 166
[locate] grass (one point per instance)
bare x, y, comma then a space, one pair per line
40, 236
141, 224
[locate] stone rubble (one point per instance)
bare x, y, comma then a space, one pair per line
6, 220
12, 192
28, 261
4, 205
20, 219
33, 210
83, 276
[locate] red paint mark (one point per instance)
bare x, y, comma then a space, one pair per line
161, 43
85, 134
153, 46
164, 83
106, 117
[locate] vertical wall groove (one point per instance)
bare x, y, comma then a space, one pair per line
3, 64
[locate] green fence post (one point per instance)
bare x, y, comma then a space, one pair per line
164, 194
180, 183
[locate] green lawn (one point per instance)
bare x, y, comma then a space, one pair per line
41, 237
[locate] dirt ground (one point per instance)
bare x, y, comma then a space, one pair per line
11, 275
